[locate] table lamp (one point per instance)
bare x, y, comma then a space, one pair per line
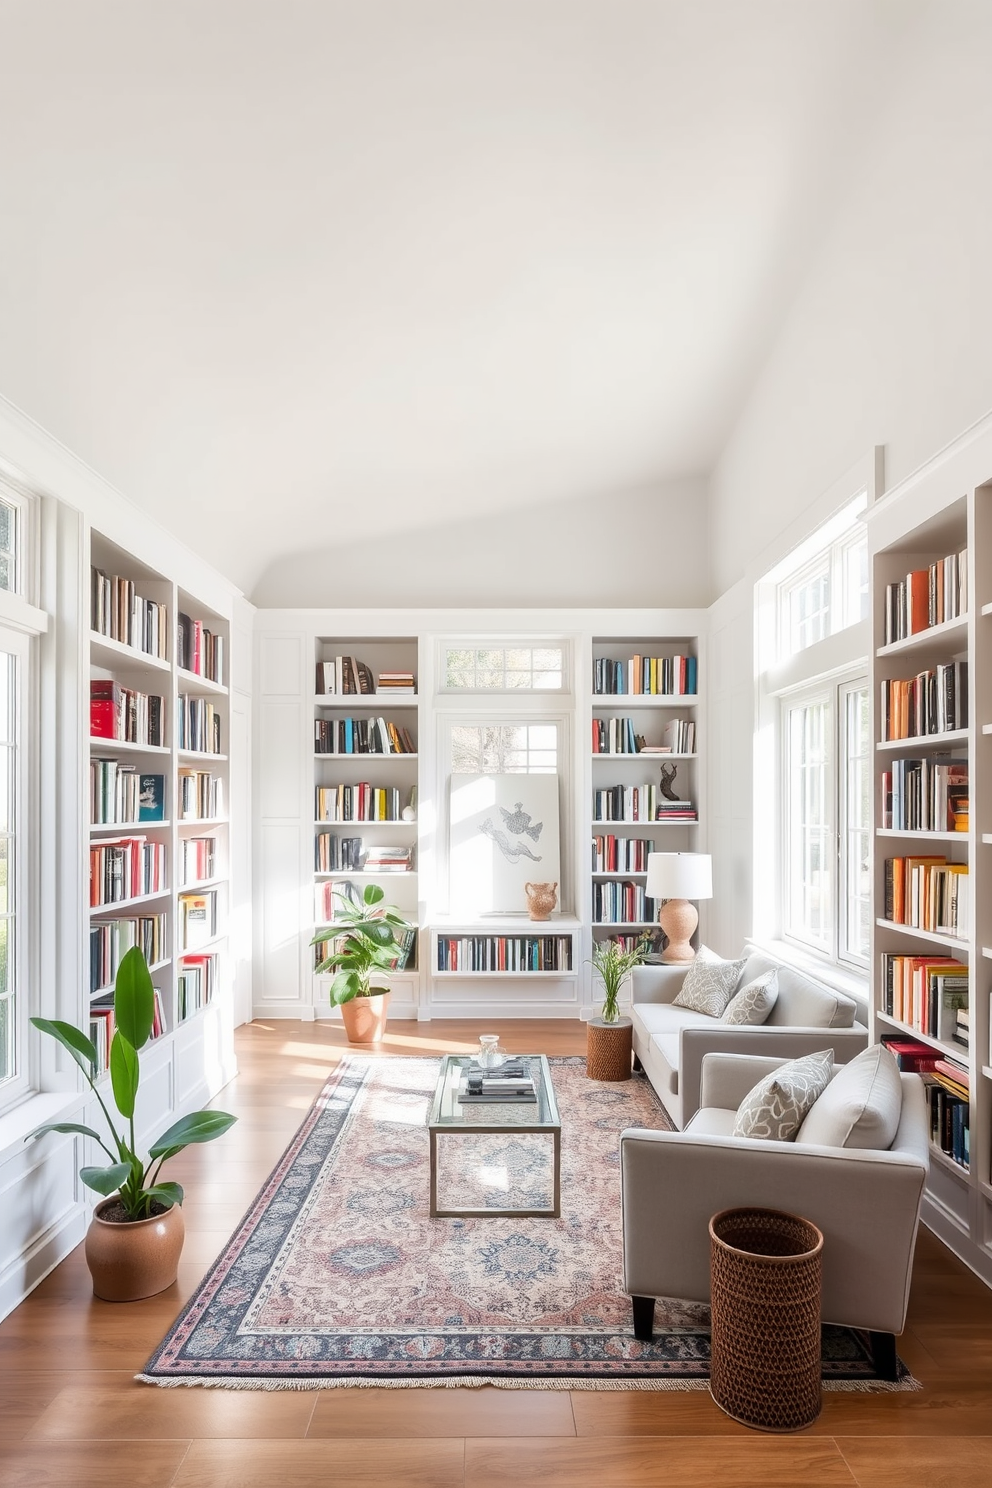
677, 878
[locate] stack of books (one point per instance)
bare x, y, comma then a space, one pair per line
397, 684
344, 676
388, 860
674, 811
510, 1081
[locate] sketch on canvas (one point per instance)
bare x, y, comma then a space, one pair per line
503, 832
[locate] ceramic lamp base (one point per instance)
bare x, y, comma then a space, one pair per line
678, 919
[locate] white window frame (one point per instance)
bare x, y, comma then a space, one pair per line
828, 549
17, 1087
502, 643
846, 690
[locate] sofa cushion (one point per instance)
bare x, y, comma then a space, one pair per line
709, 986
860, 1107
753, 1003
802, 1002
666, 1017
711, 1121
776, 1108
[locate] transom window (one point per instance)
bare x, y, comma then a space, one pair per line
823, 587
527, 668
504, 749
9, 537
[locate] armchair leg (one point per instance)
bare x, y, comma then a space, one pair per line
883, 1355
643, 1318
638, 1066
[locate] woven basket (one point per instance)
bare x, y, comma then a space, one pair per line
765, 1282
609, 1048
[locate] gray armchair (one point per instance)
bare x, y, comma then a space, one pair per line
866, 1202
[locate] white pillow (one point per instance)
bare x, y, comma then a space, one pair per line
753, 1003
776, 1108
860, 1107
709, 986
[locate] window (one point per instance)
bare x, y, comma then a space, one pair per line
14, 654
9, 523
504, 749
827, 780
528, 668
822, 587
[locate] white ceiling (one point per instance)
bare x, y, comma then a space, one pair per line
291, 273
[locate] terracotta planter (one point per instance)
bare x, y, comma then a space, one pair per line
129, 1261
365, 1018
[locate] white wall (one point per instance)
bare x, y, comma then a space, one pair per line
645, 547
886, 342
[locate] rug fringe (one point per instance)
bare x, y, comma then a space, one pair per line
477, 1382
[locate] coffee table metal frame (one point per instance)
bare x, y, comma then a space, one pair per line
448, 1115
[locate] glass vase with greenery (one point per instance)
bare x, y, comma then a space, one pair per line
365, 942
613, 961
136, 1181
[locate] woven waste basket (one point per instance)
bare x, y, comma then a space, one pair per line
609, 1048
765, 1285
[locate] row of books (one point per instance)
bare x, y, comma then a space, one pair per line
927, 893
406, 946
103, 1025
199, 650
197, 859
927, 597
677, 737
928, 993
125, 714
331, 896
656, 676
120, 612
621, 854
645, 940
361, 736
121, 795
196, 983
199, 725
621, 903
197, 919
126, 868
631, 803
110, 940
615, 736
926, 795
504, 953
345, 676
333, 854
361, 802
932, 702
200, 795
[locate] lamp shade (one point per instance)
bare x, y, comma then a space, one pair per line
680, 876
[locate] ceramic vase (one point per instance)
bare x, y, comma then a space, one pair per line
137, 1258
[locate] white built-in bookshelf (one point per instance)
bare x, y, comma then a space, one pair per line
158, 797
365, 787
933, 800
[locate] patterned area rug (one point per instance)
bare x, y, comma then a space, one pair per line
338, 1276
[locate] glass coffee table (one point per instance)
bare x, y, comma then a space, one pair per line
449, 1115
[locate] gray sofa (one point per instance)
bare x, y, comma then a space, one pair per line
670, 1042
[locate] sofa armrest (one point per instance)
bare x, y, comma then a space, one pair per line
656, 983
865, 1202
727, 1078
770, 1042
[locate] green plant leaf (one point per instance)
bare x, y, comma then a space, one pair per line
124, 1074
374, 894
105, 1181
379, 933
65, 1126
80, 1047
200, 1126
166, 1193
134, 999
345, 986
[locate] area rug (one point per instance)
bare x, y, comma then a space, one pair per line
337, 1276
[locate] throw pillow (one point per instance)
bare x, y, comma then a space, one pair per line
753, 1003
776, 1108
709, 986
861, 1106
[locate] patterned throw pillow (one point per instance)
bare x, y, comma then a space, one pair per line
709, 986
776, 1108
753, 1003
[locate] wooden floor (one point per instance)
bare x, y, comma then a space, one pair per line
71, 1415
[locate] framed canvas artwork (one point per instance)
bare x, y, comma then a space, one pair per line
503, 834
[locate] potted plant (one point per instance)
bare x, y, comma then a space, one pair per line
136, 1235
364, 943
613, 963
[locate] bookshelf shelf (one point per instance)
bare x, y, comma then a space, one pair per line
374, 702
953, 1051
516, 976
987, 1071
641, 757
102, 748
918, 836
154, 969
926, 741
620, 874
644, 700
625, 924
953, 942
201, 883
121, 904
363, 759
936, 636
193, 682
203, 948
940, 1157
202, 754
115, 652
102, 829
389, 873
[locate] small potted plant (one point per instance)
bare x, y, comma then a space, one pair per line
364, 943
136, 1235
613, 963
608, 1037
